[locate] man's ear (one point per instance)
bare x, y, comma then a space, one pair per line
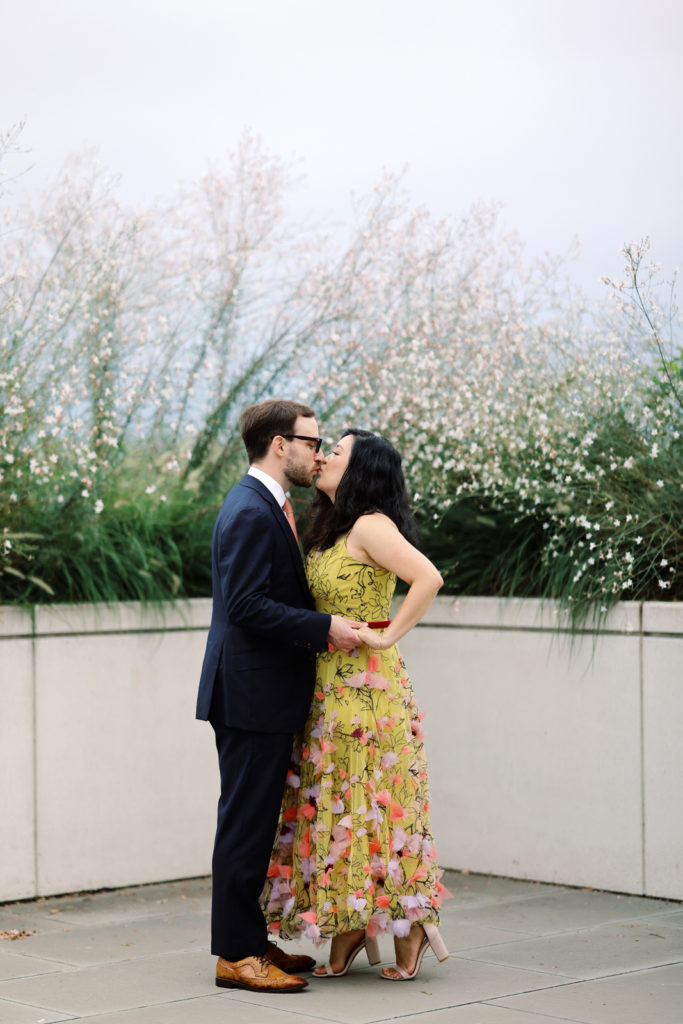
277, 446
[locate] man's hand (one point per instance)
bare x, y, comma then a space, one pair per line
343, 633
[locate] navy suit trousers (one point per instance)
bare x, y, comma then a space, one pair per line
253, 769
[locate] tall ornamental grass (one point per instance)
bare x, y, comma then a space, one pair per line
541, 438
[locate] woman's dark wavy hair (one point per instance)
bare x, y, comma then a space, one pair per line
373, 481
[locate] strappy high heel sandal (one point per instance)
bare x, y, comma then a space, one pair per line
431, 938
371, 947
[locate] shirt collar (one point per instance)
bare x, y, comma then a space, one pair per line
270, 482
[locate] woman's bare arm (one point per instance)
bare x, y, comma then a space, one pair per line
376, 540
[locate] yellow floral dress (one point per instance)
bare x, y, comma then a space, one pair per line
354, 847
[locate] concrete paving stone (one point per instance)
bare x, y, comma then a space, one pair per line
670, 920
118, 986
88, 944
27, 918
16, 965
216, 1009
16, 1013
488, 888
483, 1013
364, 997
462, 935
120, 904
644, 997
592, 952
562, 911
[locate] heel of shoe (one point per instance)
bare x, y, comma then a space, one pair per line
435, 941
372, 950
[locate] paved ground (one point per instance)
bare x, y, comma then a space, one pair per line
521, 953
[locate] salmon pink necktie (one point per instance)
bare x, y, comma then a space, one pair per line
289, 512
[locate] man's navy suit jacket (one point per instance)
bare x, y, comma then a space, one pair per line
259, 664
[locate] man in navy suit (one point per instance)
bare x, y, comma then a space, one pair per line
257, 681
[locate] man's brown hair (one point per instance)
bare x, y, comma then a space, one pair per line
259, 424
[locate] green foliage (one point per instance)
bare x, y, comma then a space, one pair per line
482, 550
142, 546
617, 533
621, 537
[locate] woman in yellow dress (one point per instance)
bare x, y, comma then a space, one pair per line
354, 855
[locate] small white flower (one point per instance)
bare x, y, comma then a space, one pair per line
664, 561
99, 505
151, 489
9, 458
660, 483
85, 493
13, 497
639, 540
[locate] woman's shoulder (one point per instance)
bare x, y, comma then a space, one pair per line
372, 524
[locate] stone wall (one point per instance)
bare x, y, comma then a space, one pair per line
552, 757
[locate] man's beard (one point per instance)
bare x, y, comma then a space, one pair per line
298, 475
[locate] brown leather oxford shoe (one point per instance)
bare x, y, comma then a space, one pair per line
290, 963
256, 973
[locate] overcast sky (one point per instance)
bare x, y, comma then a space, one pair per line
567, 113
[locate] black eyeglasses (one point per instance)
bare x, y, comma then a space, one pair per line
317, 441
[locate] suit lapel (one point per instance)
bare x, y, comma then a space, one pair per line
282, 524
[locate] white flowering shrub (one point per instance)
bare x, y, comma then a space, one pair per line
128, 344
541, 439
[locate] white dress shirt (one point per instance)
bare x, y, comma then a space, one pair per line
271, 483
